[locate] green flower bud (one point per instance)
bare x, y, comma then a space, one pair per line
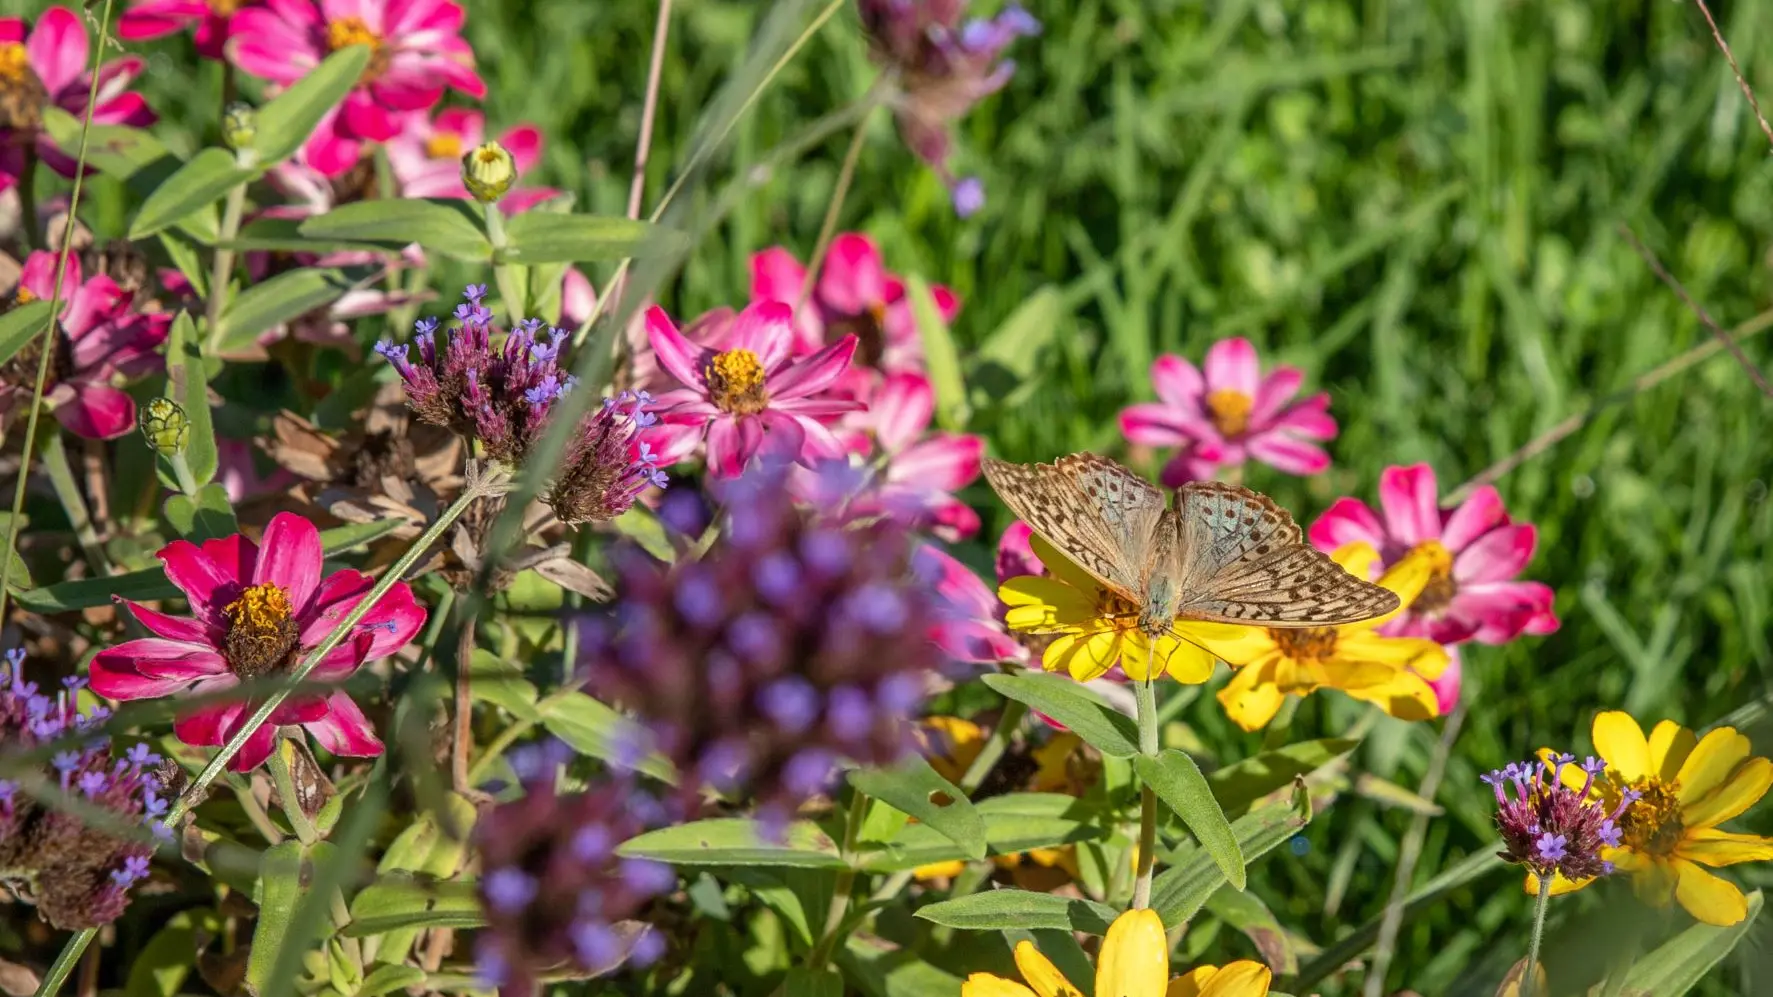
488, 171
166, 427
240, 125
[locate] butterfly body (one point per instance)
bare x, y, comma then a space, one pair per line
1222, 553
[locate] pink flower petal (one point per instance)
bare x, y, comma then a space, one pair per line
949, 519
901, 410
726, 449
206, 584
1177, 382
776, 437
179, 628
271, 42
257, 748
525, 144
577, 298
946, 462
1309, 419
976, 642
57, 49
1447, 686
1159, 424
1346, 521
677, 355
1410, 497
1498, 612
1231, 365
345, 730
1497, 555
390, 624
963, 593
1284, 453
289, 557
1272, 396
1476, 516
298, 710
98, 412
674, 443
235, 556
208, 726
813, 374
853, 281
763, 328
152, 667
158, 18
1015, 553
330, 150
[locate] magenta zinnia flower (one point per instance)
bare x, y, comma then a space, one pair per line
101, 338
47, 66
971, 627
855, 294
417, 51
257, 611
427, 156
751, 396
149, 19
1230, 415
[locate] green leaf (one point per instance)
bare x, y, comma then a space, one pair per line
500, 682
19, 326
915, 788
1241, 784
187, 385
803, 982
641, 526
400, 902
161, 966
733, 841
1008, 908
443, 225
208, 517
280, 890
131, 155
387, 979
1177, 781
1181, 890
1250, 916
940, 355
335, 864
775, 889
1015, 822
18, 576
545, 237
283, 235
287, 120
1009, 366
591, 728
270, 303
879, 968
196, 185
1087, 715
1677, 965
182, 251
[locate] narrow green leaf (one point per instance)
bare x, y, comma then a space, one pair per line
879, 968
915, 788
402, 902
198, 184
1679, 964
1016, 345
133, 156
940, 355
775, 889
284, 235
182, 250
1250, 916
545, 237
1177, 781
188, 385
161, 967
18, 578
1101, 726
286, 121
500, 682
19, 326
641, 526
270, 303
1243, 783
594, 729
1015, 822
442, 225
387, 979
999, 909
280, 890
803, 982
334, 865
733, 841
1179, 892
208, 517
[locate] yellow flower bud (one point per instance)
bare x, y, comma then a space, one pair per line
166, 427
488, 171
240, 125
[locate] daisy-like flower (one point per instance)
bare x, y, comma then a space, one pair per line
416, 50
1553, 825
257, 611
100, 339
855, 294
146, 20
751, 397
1685, 787
47, 65
1134, 962
427, 156
1228, 414
1393, 673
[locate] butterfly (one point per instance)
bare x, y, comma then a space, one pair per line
1222, 554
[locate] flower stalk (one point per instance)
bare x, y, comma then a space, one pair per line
992, 751
223, 264
1529, 979
1146, 693
845, 885
284, 780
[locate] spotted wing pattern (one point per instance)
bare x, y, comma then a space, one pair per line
1244, 560
1080, 506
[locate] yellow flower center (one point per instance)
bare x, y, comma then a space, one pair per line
444, 145
348, 31
1652, 825
261, 630
223, 8
1230, 410
1305, 644
22, 94
736, 382
23, 296
1441, 587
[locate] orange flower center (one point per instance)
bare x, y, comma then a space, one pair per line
1305, 644
348, 31
1652, 825
1230, 410
444, 145
224, 8
22, 94
736, 382
23, 296
261, 631
1441, 587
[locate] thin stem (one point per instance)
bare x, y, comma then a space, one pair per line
50, 330
504, 275
463, 738
181, 470
67, 491
1704, 316
1735, 70
828, 229
1146, 693
846, 882
992, 751
1530, 979
255, 813
223, 265
648, 110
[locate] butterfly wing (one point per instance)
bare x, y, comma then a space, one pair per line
1244, 560
1090, 508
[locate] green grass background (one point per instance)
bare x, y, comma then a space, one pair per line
1414, 200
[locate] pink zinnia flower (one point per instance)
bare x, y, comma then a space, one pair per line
1229, 416
427, 156
417, 51
149, 19
1477, 551
751, 396
913, 476
855, 294
257, 610
101, 338
971, 627
47, 66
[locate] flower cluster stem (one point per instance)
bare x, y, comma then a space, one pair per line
1146, 693
845, 885
463, 736
67, 491
845, 175
1530, 979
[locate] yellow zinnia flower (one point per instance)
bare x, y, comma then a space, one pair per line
951, 744
1134, 962
1686, 787
1392, 672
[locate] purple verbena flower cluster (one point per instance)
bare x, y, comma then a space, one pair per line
793, 645
555, 892
78, 876
1550, 827
606, 466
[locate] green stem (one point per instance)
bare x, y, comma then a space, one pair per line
67, 491
1529, 979
1146, 693
463, 737
504, 274
993, 749
846, 883
181, 469
475, 489
845, 174
284, 780
223, 264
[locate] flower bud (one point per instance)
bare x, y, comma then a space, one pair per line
166, 427
240, 125
488, 171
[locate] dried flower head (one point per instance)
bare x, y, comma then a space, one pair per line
78, 875
555, 893
1553, 828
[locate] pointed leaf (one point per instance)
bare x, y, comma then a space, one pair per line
280, 299
803, 982
1008, 908
594, 729
1249, 915
209, 516
545, 237
21, 325
734, 841
1680, 963
280, 890
196, 185
400, 902
131, 155
286, 121
878, 968
915, 788
1177, 781
940, 355
1014, 823
1087, 715
1179, 891
1240, 784
387, 979
442, 225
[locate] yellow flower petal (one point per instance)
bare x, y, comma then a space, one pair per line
1077, 655
1053, 759
1135, 957
1710, 764
1136, 658
1059, 603
1239, 979
951, 744
1670, 744
1425, 656
1041, 974
1101, 651
1707, 897
987, 985
1189, 984
1651, 879
1403, 695
1251, 698
1187, 663
1719, 848
1560, 884
1620, 741
1356, 558
1744, 788
1065, 569
1238, 645
938, 870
